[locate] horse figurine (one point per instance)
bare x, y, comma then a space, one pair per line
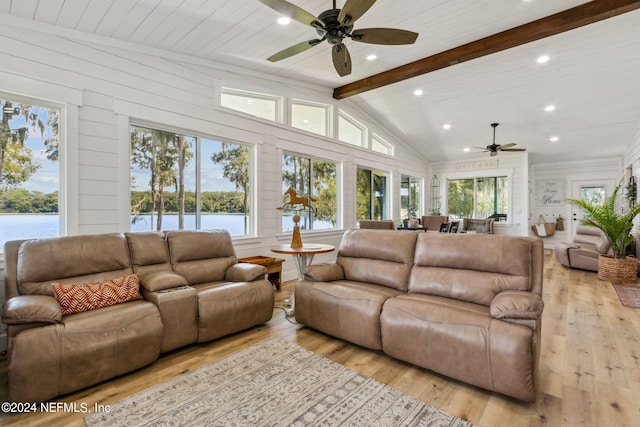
293, 199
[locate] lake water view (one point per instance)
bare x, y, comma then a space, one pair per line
28, 226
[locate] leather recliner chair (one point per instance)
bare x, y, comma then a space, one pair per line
585, 250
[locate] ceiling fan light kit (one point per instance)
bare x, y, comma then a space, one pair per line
334, 25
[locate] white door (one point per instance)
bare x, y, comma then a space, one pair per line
593, 191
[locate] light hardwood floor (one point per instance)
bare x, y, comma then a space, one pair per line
589, 369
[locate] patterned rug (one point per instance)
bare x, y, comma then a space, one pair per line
272, 383
629, 295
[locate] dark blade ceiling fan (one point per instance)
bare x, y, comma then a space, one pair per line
494, 148
334, 25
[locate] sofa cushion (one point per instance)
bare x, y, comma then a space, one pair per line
380, 257
201, 256
82, 259
76, 298
491, 264
149, 251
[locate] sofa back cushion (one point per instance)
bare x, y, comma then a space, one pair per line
473, 268
201, 256
71, 259
149, 252
381, 257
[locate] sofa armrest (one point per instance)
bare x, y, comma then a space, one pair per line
161, 280
244, 272
516, 305
326, 272
23, 309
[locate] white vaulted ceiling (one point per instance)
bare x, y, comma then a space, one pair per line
592, 77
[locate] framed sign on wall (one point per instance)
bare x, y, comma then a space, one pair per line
550, 193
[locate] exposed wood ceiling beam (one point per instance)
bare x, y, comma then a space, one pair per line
569, 19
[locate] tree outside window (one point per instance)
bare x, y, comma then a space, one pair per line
316, 178
173, 188
29, 171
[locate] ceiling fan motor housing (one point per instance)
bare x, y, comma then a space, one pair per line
333, 31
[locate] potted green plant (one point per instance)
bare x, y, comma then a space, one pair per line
615, 220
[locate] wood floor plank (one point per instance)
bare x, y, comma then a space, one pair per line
589, 373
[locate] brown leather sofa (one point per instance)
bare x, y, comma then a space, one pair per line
466, 306
194, 290
584, 252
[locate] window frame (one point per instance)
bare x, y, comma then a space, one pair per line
197, 151
420, 192
338, 197
493, 173
386, 205
67, 148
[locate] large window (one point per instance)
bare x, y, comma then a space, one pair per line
371, 195
187, 182
410, 190
29, 170
316, 178
477, 197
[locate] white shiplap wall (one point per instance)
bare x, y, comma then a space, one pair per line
104, 86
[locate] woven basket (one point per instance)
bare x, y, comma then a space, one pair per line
616, 270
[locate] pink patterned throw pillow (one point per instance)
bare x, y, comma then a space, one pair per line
75, 298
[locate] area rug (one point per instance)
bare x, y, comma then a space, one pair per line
272, 383
629, 295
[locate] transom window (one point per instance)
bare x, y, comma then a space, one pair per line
380, 145
311, 117
350, 130
267, 107
189, 182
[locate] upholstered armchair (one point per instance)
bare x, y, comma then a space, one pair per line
432, 222
478, 225
588, 244
385, 224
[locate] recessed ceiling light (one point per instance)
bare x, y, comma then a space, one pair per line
371, 57
466, 149
554, 139
542, 59
549, 108
417, 92
284, 20
305, 121
446, 126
